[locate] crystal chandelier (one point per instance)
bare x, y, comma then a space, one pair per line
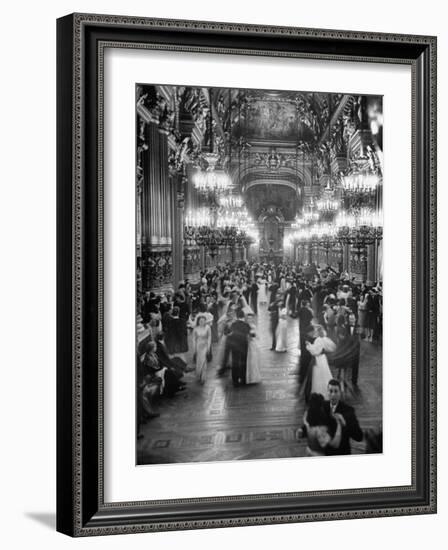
360, 182
231, 201
211, 180
198, 217
309, 215
328, 205
233, 217
359, 227
359, 217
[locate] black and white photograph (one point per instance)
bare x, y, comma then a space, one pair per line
259, 274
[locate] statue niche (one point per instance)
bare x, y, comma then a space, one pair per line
272, 235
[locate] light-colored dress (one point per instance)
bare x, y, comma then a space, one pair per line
283, 285
262, 295
321, 373
202, 341
253, 375
222, 322
362, 313
245, 306
281, 335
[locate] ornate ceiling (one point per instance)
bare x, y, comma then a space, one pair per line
279, 147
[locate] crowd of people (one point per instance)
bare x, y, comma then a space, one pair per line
212, 325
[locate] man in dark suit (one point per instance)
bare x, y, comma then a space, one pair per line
253, 290
237, 341
350, 425
306, 332
273, 293
305, 361
274, 314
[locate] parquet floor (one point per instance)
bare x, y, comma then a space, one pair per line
219, 422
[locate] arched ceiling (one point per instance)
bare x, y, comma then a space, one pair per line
286, 142
267, 131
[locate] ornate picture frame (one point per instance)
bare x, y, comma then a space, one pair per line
81, 43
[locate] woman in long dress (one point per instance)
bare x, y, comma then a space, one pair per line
202, 342
281, 334
253, 375
283, 283
321, 373
362, 314
262, 295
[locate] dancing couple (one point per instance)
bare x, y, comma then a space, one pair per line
239, 347
330, 424
279, 324
315, 373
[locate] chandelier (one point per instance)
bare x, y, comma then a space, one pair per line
309, 215
360, 182
358, 218
231, 201
233, 217
199, 217
211, 180
359, 227
228, 230
328, 205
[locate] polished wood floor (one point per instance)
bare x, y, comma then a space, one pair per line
219, 422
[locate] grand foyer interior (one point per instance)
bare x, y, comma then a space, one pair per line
229, 175
228, 179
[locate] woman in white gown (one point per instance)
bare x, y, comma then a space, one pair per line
202, 344
281, 335
253, 375
262, 294
321, 373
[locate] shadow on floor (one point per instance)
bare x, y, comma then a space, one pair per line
47, 519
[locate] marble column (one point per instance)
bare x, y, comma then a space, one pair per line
156, 206
177, 227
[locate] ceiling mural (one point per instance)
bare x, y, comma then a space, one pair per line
272, 120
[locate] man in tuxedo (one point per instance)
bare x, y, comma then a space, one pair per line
253, 292
273, 311
350, 425
355, 347
306, 333
305, 361
237, 342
